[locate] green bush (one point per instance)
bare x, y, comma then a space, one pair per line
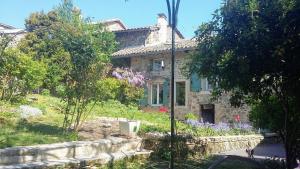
190, 116
60, 90
46, 92
121, 90
19, 74
108, 88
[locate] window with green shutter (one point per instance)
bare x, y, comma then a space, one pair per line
166, 89
144, 100
150, 65
195, 83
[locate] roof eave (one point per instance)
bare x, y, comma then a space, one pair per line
152, 53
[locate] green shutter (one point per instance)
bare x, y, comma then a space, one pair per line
195, 83
166, 91
150, 65
144, 100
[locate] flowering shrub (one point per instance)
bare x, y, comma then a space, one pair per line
125, 86
220, 128
134, 78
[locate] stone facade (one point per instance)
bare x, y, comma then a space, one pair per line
222, 109
147, 46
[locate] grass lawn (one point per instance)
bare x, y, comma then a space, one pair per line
39, 130
48, 127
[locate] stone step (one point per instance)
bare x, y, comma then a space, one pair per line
67, 150
103, 158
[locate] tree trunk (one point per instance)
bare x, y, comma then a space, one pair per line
289, 140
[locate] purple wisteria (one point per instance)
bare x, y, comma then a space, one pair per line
134, 78
220, 126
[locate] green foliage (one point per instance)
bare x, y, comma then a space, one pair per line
190, 116
251, 48
121, 90
45, 92
108, 88
262, 111
43, 43
44, 129
19, 74
89, 47
130, 94
4, 43
76, 53
60, 90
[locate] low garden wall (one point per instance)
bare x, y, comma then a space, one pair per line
105, 150
204, 145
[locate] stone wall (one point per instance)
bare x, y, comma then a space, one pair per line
69, 150
130, 39
223, 111
207, 145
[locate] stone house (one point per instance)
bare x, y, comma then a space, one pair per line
17, 34
144, 49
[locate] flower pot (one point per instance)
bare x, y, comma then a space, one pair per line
129, 128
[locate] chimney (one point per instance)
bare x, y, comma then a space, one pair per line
162, 23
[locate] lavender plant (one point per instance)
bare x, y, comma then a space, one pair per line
220, 128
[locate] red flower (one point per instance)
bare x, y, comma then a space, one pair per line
163, 109
237, 118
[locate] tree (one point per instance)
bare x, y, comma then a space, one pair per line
19, 74
89, 46
43, 43
250, 49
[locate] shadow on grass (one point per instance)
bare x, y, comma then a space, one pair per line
25, 133
40, 128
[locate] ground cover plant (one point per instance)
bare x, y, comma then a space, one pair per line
43, 129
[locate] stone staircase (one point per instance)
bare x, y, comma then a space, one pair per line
75, 154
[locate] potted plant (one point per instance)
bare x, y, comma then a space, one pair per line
129, 127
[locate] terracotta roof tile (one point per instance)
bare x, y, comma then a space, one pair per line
159, 48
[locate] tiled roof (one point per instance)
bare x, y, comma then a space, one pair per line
148, 28
116, 20
12, 31
6, 26
159, 48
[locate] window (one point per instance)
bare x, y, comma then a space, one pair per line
180, 94
157, 94
206, 86
157, 65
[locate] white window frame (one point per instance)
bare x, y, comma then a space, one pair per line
153, 68
206, 88
186, 93
157, 93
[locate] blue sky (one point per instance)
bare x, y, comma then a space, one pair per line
133, 13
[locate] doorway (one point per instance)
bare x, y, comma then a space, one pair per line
208, 113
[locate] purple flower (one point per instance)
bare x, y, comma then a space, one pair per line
134, 78
117, 75
220, 126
